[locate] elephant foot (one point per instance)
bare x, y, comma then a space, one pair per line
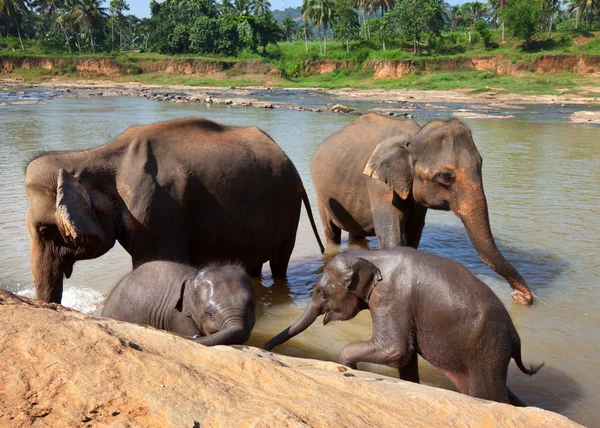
522, 298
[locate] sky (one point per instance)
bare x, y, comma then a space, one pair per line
141, 8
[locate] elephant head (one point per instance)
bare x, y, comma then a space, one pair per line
221, 302
341, 292
441, 168
68, 219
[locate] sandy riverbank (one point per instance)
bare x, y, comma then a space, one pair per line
400, 102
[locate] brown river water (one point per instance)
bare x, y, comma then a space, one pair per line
542, 180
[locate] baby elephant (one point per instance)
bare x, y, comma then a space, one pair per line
420, 304
214, 304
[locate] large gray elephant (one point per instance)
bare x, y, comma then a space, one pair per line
421, 304
378, 175
188, 190
214, 305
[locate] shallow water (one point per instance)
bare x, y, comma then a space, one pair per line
542, 180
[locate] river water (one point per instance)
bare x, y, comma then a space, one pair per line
542, 180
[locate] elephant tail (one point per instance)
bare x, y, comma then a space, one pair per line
517, 356
312, 220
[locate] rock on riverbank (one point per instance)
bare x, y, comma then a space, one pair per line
63, 368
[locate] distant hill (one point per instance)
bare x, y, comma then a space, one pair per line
290, 12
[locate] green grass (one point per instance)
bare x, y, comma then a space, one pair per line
293, 61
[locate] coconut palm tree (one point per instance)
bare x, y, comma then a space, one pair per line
260, 7
241, 7
305, 31
14, 9
289, 27
455, 16
475, 11
90, 14
320, 13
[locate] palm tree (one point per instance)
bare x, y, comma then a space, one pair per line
241, 7
306, 30
260, 7
289, 27
455, 16
225, 6
91, 15
320, 13
368, 7
475, 10
15, 8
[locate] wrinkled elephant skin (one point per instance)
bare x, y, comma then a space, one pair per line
214, 305
379, 175
189, 190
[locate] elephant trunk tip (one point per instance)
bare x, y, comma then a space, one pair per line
278, 340
522, 297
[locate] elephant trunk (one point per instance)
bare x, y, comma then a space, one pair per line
473, 212
233, 333
47, 272
309, 316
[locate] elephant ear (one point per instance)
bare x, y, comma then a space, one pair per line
365, 276
136, 181
390, 163
75, 214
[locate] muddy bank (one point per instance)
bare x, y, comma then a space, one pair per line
381, 69
63, 368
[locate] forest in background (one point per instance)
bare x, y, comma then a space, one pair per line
243, 28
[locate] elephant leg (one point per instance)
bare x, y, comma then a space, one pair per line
415, 225
410, 371
369, 352
279, 263
254, 270
388, 219
333, 234
514, 400
389, 226
487, 382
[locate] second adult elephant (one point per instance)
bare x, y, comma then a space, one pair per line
378, 175
190, 191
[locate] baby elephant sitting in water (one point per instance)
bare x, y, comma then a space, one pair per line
420, 304
214, 304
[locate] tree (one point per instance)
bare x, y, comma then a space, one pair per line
91, 15
116, 8
483, 30
267, 30
289, 28
417, 17
522, 17
306, 31
261, 7
15, 9
241, 7
346, 24
320, 13
455, 15
475, 10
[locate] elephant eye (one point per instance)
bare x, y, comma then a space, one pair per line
445, 178
44, 231
208, 313
323, 295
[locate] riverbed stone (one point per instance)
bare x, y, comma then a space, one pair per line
63, 368
586, 117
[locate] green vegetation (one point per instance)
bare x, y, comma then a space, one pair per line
355, 31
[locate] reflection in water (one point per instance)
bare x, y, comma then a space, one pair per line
541, 180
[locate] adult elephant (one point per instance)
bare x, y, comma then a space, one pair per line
190, 191
378, 175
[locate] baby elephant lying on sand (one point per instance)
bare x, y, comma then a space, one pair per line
215, 304
420, 304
